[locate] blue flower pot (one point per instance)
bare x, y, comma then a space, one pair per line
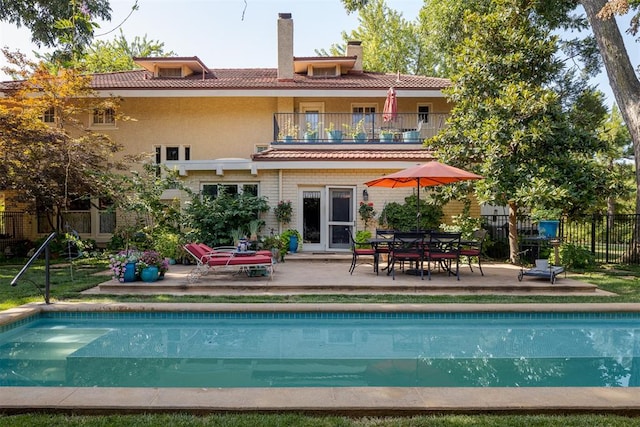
548, 228
149, 274
130, 272
293, 244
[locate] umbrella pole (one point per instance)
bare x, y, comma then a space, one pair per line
418, 207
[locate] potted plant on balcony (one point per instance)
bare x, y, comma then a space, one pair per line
356, 131
288, 131
333, 135
311, 133
386, 135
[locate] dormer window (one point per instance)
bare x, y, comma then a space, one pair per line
324, 71
171, 72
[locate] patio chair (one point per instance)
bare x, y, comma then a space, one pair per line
473, 248
443, 249
357, 253
407, 247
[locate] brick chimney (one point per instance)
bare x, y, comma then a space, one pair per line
354, 48
285, 47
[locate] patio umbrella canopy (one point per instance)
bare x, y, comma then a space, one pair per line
390, 111
428, 174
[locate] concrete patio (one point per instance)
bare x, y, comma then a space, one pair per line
304, 273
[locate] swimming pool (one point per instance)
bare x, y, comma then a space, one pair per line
321, 349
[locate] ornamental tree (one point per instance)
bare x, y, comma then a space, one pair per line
521, 122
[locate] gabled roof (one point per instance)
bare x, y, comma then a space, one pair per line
265, 78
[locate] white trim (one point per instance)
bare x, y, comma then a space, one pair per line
221, 165
258, 93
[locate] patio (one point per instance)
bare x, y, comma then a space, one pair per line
327, 273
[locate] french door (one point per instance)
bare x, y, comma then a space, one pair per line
327, 217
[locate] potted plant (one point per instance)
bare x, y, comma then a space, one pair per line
411, 136
356, 131
386, 135
293, 239
149, 265
311, 133
123, 265
548, 220
333, 135
288, 131
283, 211
367, 213
254, 227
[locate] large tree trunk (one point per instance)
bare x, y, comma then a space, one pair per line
513, 232
624, 84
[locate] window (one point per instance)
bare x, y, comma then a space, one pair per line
172, 72
102, 117
212, 190
366, 111
423, 113
324, 71
187, 153
49, 115
173, 153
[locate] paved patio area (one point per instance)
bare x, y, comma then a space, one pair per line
328, 274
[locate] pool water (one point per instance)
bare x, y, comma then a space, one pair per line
322, 350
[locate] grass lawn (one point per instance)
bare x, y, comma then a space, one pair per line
68, 280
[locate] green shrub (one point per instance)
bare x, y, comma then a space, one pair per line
403, 216
362, 238
575, 257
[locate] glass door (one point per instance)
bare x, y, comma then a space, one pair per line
312, 219
341, 208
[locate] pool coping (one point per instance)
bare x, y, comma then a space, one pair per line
334, 400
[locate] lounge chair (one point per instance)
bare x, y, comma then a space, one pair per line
218, 260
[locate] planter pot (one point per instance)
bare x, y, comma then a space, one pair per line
161, 275
288, 139
310, 137
548, 228
360, 137
334, 135
411, 136
149, 274
386, 137
130, 272
293, 244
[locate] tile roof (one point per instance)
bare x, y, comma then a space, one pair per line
264, 78
276, 154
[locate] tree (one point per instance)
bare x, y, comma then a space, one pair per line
55, 23
390, 43
118, 54
624, 82
534, 147
49, 166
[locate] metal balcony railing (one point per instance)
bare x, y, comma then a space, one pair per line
328, 128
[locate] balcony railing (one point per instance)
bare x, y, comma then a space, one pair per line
355, 128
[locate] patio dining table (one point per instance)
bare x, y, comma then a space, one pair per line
384, 245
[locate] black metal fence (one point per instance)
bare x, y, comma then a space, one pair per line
12, 228
607, 237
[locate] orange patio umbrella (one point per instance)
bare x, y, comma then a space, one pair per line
427, 174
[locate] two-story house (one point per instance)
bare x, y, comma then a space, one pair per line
265, 131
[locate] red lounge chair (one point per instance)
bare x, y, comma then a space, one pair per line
207, 261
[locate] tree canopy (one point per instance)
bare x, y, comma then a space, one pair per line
53, 164
511, 122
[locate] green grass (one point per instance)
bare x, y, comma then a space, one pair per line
69, 280
298, 420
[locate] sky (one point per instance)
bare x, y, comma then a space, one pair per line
240, 33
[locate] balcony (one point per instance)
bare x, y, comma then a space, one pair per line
355, 128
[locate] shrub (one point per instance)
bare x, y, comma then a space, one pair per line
403, 216
575, 257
